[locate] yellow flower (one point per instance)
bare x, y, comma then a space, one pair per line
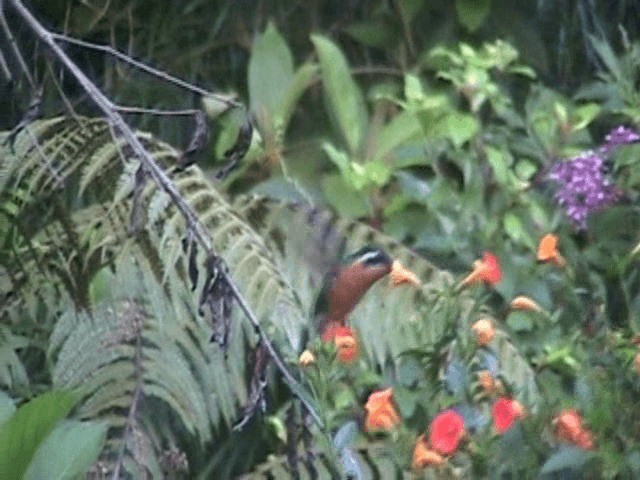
307, 358
484, 330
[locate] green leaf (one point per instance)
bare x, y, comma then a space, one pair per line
402, 128
6, 407
520, 321
413, 91
345, 99
68, 451
21, 435
584, 115
461, 128
567, 458
373, 33
343, 198
472, 13
499, 163
345, 435
270, 71
299, 83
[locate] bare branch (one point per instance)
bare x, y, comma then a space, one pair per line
14, 46
145, 68
5, 68
155, 111
163, 181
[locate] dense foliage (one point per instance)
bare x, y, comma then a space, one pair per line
498, 142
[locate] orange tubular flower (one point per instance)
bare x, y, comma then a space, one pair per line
569, 428
445, 432
522, 302
486, 381
484, 330
548, 250
346, 344
486, 270
585, 440
505, 412
400, 275
423, 456
568, 425
381, 414
636, 363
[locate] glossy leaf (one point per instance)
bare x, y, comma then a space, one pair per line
345, 100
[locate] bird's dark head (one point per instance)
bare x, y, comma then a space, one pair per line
369, 257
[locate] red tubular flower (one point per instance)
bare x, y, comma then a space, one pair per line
381, 414
505, 412
445, 432
486, 270
344, 339
346, 344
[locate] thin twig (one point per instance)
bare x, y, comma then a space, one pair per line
163, 181
5, 68
145, 68
155, 111
14, 46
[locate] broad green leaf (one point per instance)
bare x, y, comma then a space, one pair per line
344, 97
567, 458
584, 115
270, 71
68, 451
413, 91
499, 164
461, 127
402, 128
343, 198
345, 435
6, 407
21, 435
514, 227
472, 13
299, 83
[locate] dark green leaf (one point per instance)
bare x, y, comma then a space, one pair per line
21, 435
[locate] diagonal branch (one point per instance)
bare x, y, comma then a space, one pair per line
14, 46
145, 68
200, 233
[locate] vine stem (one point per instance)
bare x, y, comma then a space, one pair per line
162, 180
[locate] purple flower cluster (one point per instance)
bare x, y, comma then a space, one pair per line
583, 185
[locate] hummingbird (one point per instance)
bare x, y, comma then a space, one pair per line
349, 280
